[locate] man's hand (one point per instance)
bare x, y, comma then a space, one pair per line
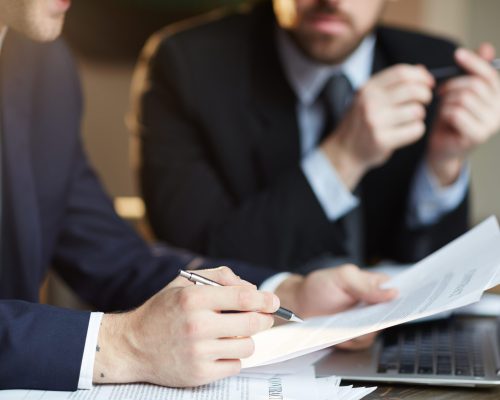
181, 337
387, 114
469, 114
332, 290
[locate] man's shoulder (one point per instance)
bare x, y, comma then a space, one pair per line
414, 46
221, 32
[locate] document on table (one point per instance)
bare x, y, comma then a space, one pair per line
452, 277
283, 387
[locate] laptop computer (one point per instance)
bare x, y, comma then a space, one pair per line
452, 352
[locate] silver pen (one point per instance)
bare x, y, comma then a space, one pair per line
281, 312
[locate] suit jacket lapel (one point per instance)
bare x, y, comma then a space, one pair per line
20, 233
273, 99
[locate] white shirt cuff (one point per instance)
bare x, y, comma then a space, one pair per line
429, 201
87, 368
272, 283
334, 197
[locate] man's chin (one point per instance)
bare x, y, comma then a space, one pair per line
45, 33
326, 49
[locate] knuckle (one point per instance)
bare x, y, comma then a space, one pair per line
351, 268
192, 327
195, 352
225, 273
187, 299
348, 270
402, 72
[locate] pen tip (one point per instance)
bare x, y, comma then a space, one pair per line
296, 319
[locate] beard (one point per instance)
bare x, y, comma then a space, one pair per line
323, 47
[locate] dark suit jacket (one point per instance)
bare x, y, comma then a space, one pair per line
55, 212
220, 149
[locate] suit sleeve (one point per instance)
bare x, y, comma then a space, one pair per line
188, 200
106, 262
41, 346
109, 266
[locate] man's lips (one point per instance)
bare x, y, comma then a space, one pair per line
61, 6
327, 23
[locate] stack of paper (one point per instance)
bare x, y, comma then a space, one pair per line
300, 386
454, 276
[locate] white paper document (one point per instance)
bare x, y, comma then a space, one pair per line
452, 277
302, 386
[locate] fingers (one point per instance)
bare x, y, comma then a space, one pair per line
486, 51
228, 298
470, 107
216, 325
404, 73
465, 123
411, 92
230, 348
365, 286
406, 113
471, 103
405, 134
468, 85
474, 64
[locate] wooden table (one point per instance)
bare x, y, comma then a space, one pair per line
434, 393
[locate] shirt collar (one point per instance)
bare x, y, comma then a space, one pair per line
308, 77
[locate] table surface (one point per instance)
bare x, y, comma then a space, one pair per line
434, 393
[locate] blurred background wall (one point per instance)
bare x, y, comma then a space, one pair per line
106, 36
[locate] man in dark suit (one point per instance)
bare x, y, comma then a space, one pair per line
308, 133
55, 212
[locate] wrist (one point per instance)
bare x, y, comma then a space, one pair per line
447, 170
348, 167
118, 359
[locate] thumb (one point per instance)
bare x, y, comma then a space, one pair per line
374, 292
486, 51
366, 287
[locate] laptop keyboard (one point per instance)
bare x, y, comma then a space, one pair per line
432, 349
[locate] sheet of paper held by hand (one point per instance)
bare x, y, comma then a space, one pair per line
452, 277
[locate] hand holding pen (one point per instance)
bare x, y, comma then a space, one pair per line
282, 313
